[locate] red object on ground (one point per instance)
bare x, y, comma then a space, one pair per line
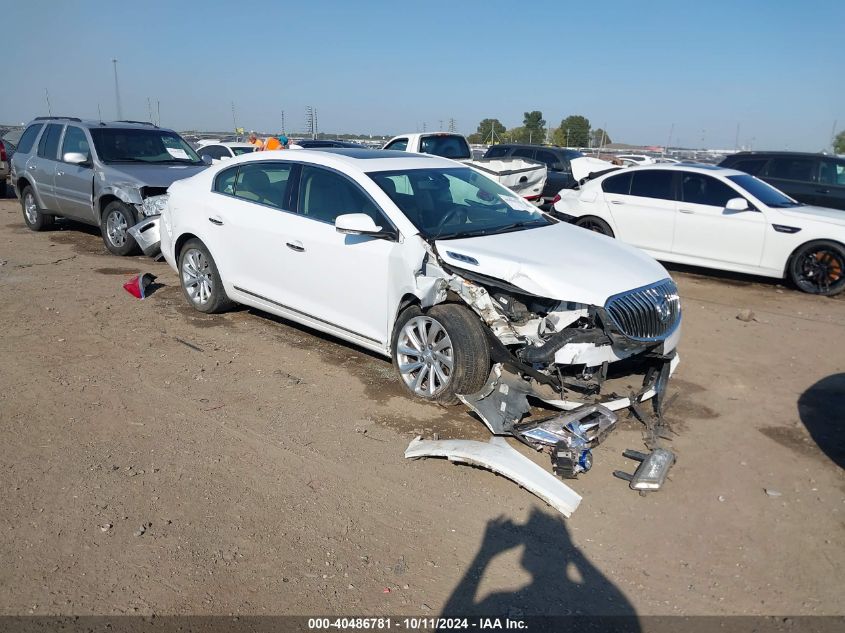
137, 286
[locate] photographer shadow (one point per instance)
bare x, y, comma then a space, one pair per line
563, 582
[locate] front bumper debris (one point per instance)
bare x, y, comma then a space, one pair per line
147, 234
652, 471
497, 455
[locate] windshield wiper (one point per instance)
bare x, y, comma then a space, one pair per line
493, 230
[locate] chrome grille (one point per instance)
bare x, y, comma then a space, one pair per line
649, 313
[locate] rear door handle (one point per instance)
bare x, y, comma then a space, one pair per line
60, 173
822, 190
296, 246
216, 221
689, 211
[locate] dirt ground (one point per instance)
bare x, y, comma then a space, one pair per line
265, 464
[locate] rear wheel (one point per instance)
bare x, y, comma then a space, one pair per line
819, 268
35, 219
441, 352
117, 219
597, 225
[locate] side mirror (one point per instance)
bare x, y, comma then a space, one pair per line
356, 224
207, 159
737, 204
76, 158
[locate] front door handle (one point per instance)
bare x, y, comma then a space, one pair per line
296, 246
216, 221
616, 202
31, 166
60, 173
689, 211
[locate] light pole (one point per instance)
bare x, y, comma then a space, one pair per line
117, 92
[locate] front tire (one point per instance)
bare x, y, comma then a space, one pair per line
819, 268
34, 218
441, 352
117, 219
597, 225
200, 279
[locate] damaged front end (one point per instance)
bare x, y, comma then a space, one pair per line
588, 360
147, 232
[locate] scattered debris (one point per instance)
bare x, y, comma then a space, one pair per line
105, 527
386, 590
188, 345
651, 473
497, 455
137, 286
721, 498
143, 529
773, 493
746, 315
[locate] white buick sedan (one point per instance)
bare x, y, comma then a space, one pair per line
468, 288
714, 217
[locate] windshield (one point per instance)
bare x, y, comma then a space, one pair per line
459, 202
243, 150
445, 145
129, 145
765, 193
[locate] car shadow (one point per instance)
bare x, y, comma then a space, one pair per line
821, 409
729, 277
563, 581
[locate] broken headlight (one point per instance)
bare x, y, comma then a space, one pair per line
154, 205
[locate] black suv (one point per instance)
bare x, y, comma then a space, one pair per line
817, 179
556, 159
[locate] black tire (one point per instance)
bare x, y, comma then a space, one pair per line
470, 353
818, 268
597, 225
196, 263
118, 217
35, 218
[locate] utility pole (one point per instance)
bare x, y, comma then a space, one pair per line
423, 127
452, 126
283, 122
736, 139
47, 97
669, 142
234, 120
440, 129
99, 113
158, 112
117, 92
150, 109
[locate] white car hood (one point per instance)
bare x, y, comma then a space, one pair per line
560, 261
820, 214
586, 165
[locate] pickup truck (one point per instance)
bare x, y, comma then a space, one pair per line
522, 176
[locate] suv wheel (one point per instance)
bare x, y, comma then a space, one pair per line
35, 219
117, 219
441, 352
200, 279
819, 268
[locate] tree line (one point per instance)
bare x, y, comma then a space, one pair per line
573, 131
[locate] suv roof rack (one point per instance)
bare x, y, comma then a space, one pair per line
137, 122
62, 118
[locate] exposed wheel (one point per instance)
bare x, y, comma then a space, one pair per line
35, 219
819, 268
117, 219
441, 352
592, 223
200, 280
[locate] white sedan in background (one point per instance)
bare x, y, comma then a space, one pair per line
224, 151
422, 259
714, 217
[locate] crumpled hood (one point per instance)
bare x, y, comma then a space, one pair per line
560, 261
820, 214
150, 175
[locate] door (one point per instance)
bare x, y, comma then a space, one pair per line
645, 216
42, 167
705, 229
74, 184
796, 176
340, 279
831, 189
555, 179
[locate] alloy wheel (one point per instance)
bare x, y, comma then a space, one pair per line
821, 269
425, 356
30, 208
116, 228
196, 276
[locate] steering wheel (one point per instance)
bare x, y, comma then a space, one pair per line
450, 214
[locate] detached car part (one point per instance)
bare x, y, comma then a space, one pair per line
652, 471
148, 236
497, 455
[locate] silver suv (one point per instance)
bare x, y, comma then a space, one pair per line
105, 174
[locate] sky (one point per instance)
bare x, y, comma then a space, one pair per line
642, 70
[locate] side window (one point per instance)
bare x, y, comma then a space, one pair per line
266, 183
324, 195
215, 151
75, 141
48, 146
751, 166
832, 172
225, 181
617, 184
547, 157
497, 151
792, 169
400, 144
701, 189
653, 183
523, 152
28, 138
